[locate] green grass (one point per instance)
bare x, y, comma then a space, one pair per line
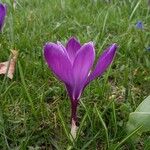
34, 106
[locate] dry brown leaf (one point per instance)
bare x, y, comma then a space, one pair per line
8, 67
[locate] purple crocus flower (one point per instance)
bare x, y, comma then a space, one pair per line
139, 25
73, 65
3, 11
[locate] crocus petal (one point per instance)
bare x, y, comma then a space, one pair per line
72, 47
63, 49
2, 15
58, 62
81, 67
69, 89
103, 63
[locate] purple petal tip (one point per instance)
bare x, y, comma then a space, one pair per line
103, 62
112, 49
73, 38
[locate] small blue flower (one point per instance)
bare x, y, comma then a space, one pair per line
139, 25
147, 48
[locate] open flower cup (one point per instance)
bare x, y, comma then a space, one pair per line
73, 65
3, 12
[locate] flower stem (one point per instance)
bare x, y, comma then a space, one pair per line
74, 129
74, 104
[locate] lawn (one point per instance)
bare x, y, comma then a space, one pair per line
34, 105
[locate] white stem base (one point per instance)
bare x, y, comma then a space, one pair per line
74, 129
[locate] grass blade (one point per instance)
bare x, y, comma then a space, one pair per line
104, 126
126, 138
25, 87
